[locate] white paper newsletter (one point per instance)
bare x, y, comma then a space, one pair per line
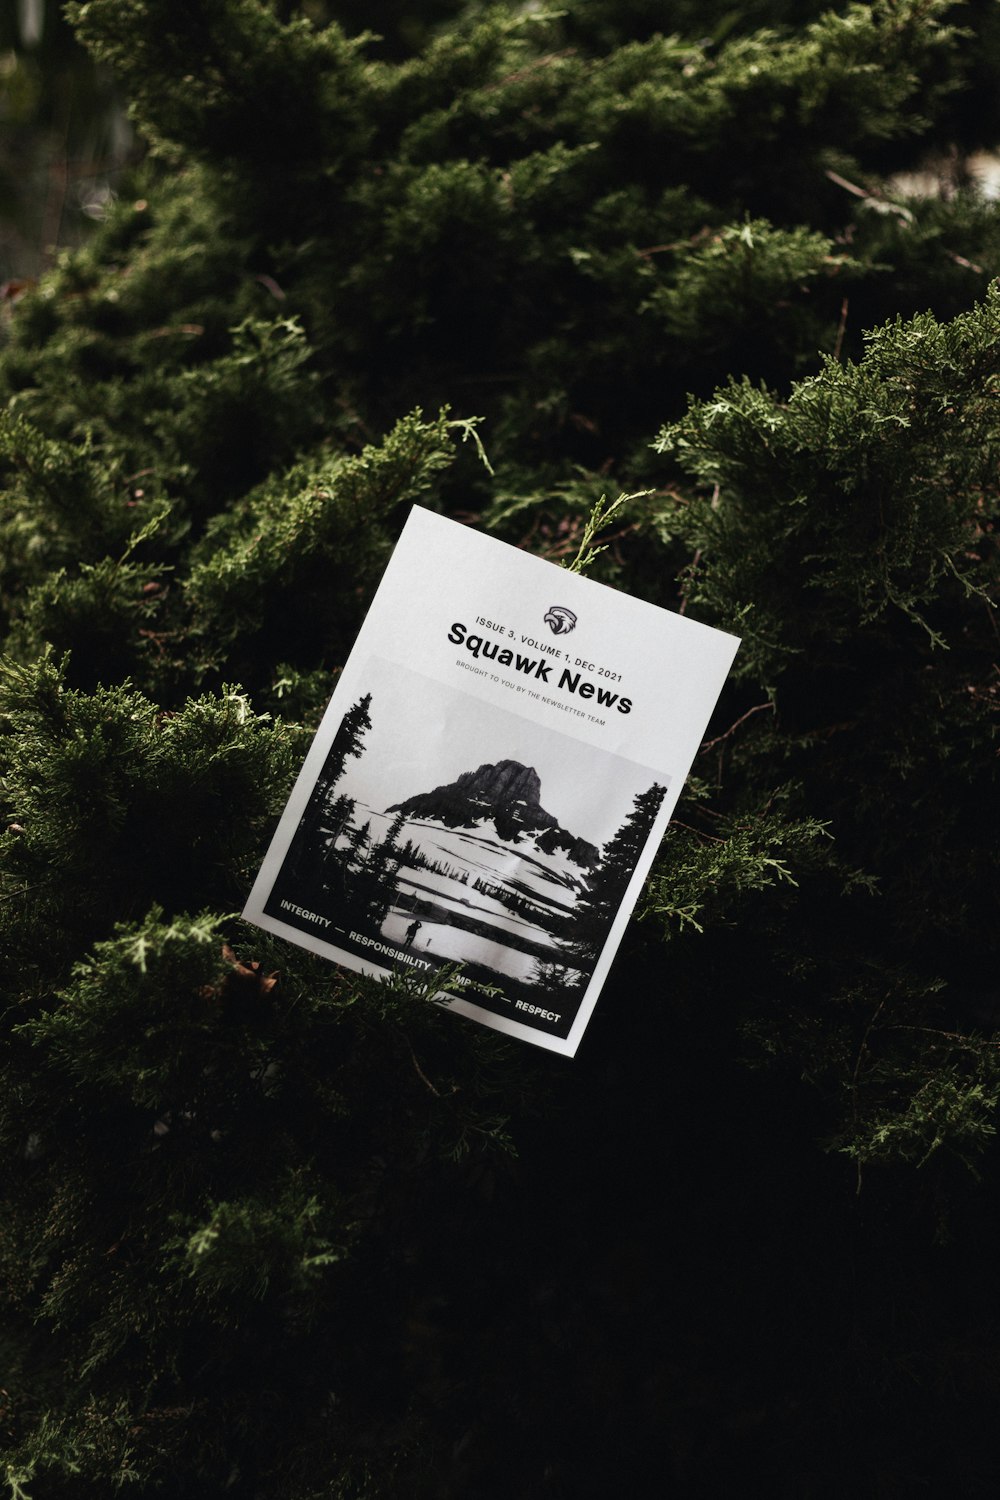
492, 779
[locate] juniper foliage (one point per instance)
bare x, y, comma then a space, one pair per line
263, 1230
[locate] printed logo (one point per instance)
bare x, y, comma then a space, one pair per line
559, 619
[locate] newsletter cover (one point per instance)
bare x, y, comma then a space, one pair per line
491, 779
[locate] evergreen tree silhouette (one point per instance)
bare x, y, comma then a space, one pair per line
307, 850
607, 881
347, 742
377, 887
359, 845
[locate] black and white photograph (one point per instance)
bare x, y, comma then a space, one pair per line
446, 830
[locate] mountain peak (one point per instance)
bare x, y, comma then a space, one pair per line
506, 794
504, 784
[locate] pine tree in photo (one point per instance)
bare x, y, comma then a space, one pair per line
605, 885
359, 844
348, 742
332, 881
340, 815
377, 887
307, 852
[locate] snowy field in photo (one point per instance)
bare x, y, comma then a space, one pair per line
528, 873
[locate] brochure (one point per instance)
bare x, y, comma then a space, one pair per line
491, 779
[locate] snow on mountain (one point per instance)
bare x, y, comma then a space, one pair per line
507, 795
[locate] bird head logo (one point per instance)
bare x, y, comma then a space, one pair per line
559, 619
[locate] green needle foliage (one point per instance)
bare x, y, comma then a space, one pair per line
269, 1229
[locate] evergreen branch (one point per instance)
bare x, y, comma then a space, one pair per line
147, 530
855, 1077
698, 832
871, 200
969, 1043
423, 1076
971, 589
757, 708
599, 517
469, 428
